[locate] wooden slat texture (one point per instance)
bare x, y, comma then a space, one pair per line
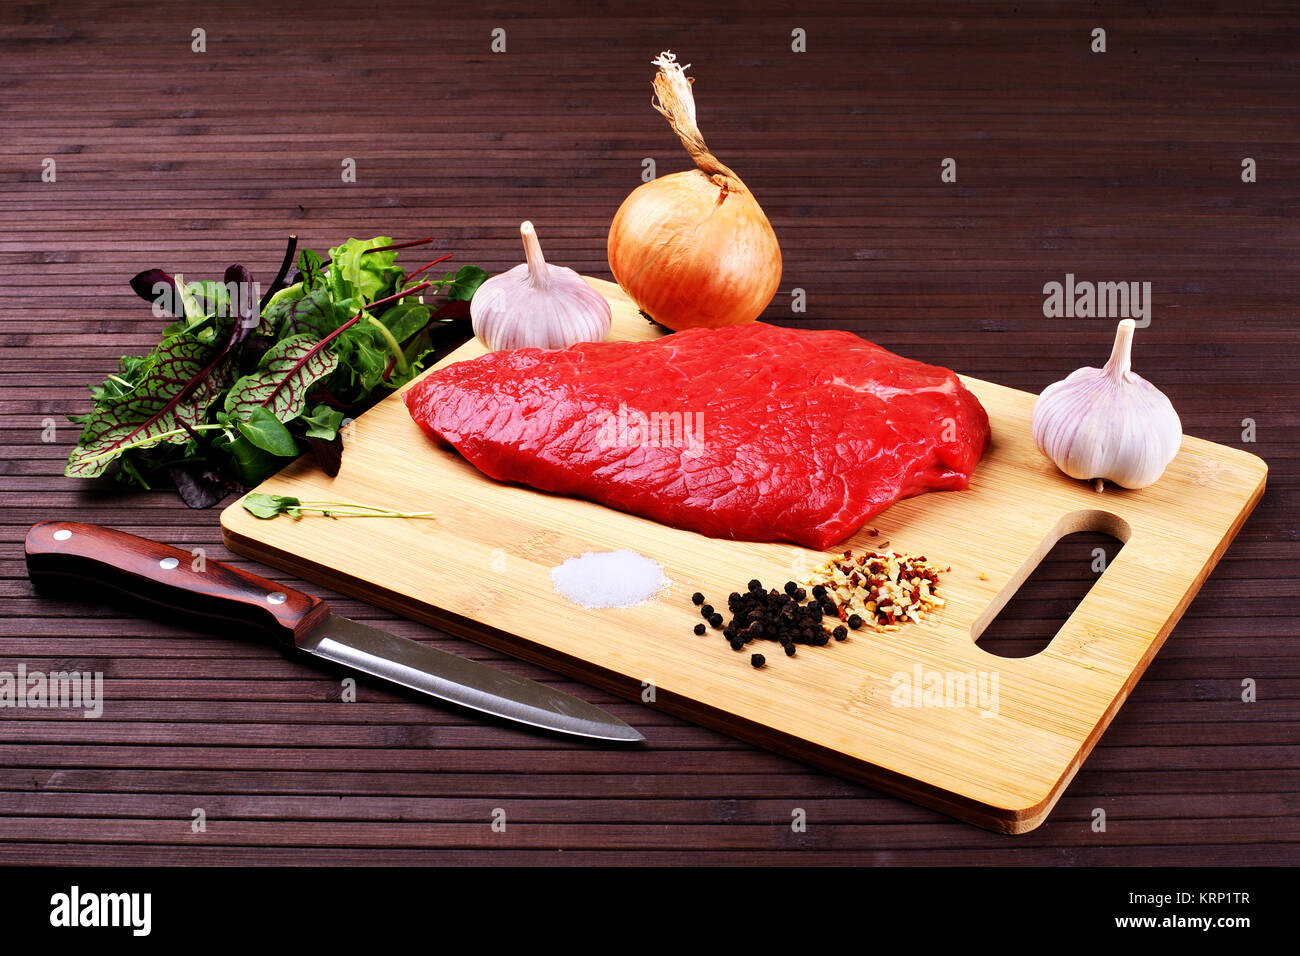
1117, 166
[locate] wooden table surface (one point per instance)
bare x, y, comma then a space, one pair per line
1125, 165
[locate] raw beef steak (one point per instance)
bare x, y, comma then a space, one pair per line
752, 432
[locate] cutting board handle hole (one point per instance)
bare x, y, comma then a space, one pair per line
1030, 611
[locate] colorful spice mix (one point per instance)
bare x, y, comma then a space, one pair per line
880, 588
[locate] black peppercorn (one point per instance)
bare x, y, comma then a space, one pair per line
840, 633
699, 629
855, 621
707, 610
755, 585
697, 598
758, 660
789, 650
716, 620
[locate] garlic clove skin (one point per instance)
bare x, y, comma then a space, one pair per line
1108, 422
538, 305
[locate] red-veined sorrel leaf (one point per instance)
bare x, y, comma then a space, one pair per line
172, 397
282, 379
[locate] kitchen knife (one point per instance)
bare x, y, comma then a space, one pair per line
166, 578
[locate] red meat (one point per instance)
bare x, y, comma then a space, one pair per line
752, 432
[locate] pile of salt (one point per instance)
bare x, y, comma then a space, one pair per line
609, 579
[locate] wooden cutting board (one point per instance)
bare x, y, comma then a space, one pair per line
924, 712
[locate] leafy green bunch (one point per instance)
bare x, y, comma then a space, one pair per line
238, 385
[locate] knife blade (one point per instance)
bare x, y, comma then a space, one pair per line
171, 580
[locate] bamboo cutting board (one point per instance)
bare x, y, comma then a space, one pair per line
923, 712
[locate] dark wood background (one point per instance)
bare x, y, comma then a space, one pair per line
1117, 166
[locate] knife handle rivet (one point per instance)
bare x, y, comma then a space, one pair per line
168, 563
276, 597
63, 534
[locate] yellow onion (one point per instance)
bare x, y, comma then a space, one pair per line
693, 249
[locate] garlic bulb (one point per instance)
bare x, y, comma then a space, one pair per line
1108, 422
538, 305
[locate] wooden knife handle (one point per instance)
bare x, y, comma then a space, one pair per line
164, 581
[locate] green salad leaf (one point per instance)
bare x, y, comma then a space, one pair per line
357, 272
312, 312
323, 422
268, 433
465, 282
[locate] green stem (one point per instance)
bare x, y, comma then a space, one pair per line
330, 507
393, 345
334, 513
